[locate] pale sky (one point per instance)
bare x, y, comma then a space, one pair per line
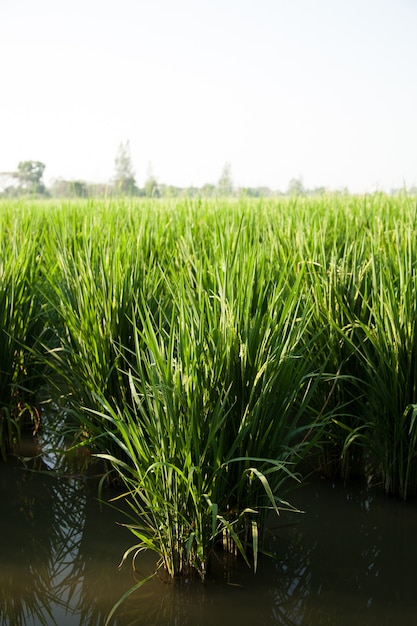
323, 90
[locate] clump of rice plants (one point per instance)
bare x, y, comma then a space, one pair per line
388, 353
361, 266
21, 325
219, 413
337, 286
103, 260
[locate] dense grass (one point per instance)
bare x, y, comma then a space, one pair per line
21, 323
205, 349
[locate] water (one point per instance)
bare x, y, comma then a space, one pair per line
351, 558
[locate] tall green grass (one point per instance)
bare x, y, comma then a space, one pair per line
182, 357
21, 324
205, 349
219, 414
98, 274
362, 283
388, 353
337, 285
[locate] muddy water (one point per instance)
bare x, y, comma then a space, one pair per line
350, 559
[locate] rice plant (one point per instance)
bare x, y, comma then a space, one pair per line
98, 272
338, 286
389, 355
220, 408
21, 325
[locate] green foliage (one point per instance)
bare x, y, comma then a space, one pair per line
225, 183
296, 187
388, 353
70, 189
201, 458
151, 188
206, 348
124, 176
209, 351
182, 355
29, 175
21, 324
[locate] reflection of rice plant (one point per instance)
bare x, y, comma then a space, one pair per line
42, 524
56, 541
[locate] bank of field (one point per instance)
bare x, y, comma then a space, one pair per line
211, 351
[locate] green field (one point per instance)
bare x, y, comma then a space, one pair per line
212, 352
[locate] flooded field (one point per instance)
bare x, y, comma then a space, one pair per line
349, 559
205, 351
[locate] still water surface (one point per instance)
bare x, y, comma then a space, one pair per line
350, 559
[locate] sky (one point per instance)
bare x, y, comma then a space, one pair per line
319, 90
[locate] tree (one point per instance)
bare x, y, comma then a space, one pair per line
69, 188
208, 190
151, 184
124, 178
255, 192
225, 184
29, 174
296, 187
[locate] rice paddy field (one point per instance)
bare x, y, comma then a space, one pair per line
210, 355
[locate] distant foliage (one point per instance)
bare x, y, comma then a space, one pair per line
225, 184
29, 175
70, 189
124, 176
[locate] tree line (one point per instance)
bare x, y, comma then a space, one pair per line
28, 179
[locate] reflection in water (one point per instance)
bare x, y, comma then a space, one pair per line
41, 519
359, 559
351, 559
46, 574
